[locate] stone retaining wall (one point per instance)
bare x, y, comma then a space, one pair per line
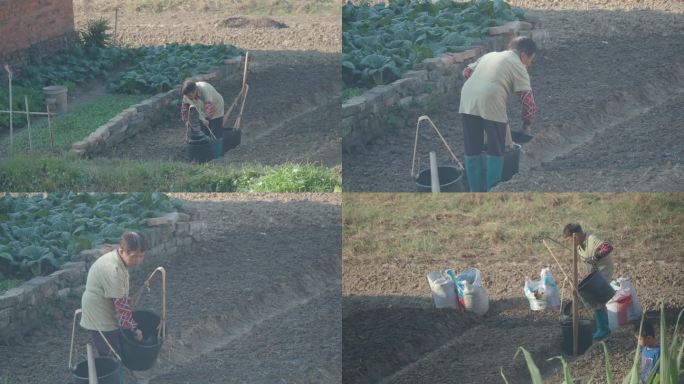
155, 110
27, 306
370, 115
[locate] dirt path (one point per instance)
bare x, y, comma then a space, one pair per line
266, 262
612, 86
291, 113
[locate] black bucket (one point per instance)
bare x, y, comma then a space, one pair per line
231, 138
584, 339
595, 289
106, 367
200, 148
450, 180
511, 162
140, 356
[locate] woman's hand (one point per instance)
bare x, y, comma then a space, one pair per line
138, 335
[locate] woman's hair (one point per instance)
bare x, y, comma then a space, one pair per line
133, 242
572, 228
189, 87
523, 44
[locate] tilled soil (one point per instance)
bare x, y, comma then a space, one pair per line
259, 269
588, 90
310, 353
391, 333
291, 114
292, 110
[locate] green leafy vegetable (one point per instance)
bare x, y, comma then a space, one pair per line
380, 42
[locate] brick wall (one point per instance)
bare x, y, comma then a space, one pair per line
47, 24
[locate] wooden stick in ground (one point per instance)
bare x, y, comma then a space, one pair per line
116, 22
52, 137
9, 72
575, 299
28, 123
92, 372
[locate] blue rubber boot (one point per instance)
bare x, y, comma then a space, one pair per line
474, 173
602, 326
494, 171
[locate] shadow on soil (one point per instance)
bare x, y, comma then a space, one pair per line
400, 339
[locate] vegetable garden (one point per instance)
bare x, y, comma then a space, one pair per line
38, 233
382, 41
107, 79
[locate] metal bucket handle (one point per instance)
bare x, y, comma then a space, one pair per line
136, 298
415, 144
73, 334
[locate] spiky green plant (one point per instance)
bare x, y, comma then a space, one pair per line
669, 364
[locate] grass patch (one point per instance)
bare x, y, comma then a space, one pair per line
7, 284
75, 125
22, 172
384, 227
349, 92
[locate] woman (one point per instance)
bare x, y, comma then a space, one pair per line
208, 102
489, 83
595, 255
105, 303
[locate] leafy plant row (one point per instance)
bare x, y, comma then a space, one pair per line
159, 69
151, 70
382, 41
39, 233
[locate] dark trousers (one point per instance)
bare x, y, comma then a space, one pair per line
216, 126
473, 136
101, 346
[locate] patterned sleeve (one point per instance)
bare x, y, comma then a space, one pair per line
603, 250
467, 72
124, 313
529, 108
184, 111
208, 109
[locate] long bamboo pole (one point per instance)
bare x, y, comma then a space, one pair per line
10, 109
28, 122
52, 136
575, 298
32, 113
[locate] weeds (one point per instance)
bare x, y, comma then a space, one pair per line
22, 172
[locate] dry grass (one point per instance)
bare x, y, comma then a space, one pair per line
425, 227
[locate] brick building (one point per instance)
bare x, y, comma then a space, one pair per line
34, 27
